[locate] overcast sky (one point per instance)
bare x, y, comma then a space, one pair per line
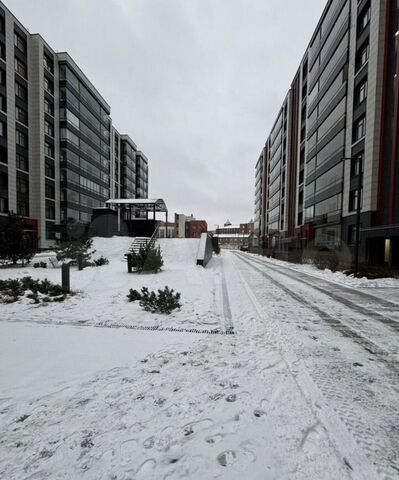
196, 83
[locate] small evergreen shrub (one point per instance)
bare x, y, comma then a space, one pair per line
133, 295
148, 259
164, 302
12, 289
99, 262
40, 265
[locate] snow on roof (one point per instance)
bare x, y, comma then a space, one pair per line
229, 227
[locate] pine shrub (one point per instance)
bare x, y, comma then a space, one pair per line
148, 259
100, 261
12, 289
164, 302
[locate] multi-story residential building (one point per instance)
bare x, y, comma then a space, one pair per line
141, 175
343, 103
60, 157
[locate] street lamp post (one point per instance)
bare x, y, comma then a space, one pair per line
358, 211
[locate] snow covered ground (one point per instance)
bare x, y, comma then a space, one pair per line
101, 291
306, 388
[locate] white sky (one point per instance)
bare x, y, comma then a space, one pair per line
195, 83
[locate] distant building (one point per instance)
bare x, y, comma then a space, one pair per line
235, 236
180, 224
194, 228
162, 230
188, 227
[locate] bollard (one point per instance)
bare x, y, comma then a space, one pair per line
129, 263
65, 277
80, 261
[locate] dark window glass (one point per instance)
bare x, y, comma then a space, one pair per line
48, 107
2, 51
50, 230
21, 139
20, 91
50, 190
50, 210
48, 63
49, 128
22, 185
19, 42
21, 115
49, 149
49, 169
20, 68
22, 162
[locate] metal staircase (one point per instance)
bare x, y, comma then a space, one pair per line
139, 242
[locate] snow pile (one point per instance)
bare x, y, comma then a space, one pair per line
101, 291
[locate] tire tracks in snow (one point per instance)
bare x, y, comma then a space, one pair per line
344, 329
369, 312
333, 388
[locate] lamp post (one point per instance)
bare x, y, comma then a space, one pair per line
358, 211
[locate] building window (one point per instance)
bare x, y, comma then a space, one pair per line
48, 63
353, 200
48, 86
49, 149
361, 93
48, 128
2, 25
20, 91
22, 184
362, 57
355, 164
21, 115
2, 51
48, 107
364, 20
3, 81
50, 210
3, 155
19, 42
50, 190
20, 68
3, 129
22, 162
49, 169
50, 231
359, 129
3, 103
21, 139
3, 205
23, 209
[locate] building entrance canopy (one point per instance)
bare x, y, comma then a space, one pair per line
143, 204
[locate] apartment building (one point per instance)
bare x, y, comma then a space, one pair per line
60, 156
339, 120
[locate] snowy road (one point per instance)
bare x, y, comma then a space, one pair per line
305, 389
346, 340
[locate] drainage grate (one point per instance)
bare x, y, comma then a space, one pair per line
228, 331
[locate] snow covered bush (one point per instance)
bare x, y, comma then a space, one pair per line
148, 259
12, 289
164, 302
100, 261
40, 265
